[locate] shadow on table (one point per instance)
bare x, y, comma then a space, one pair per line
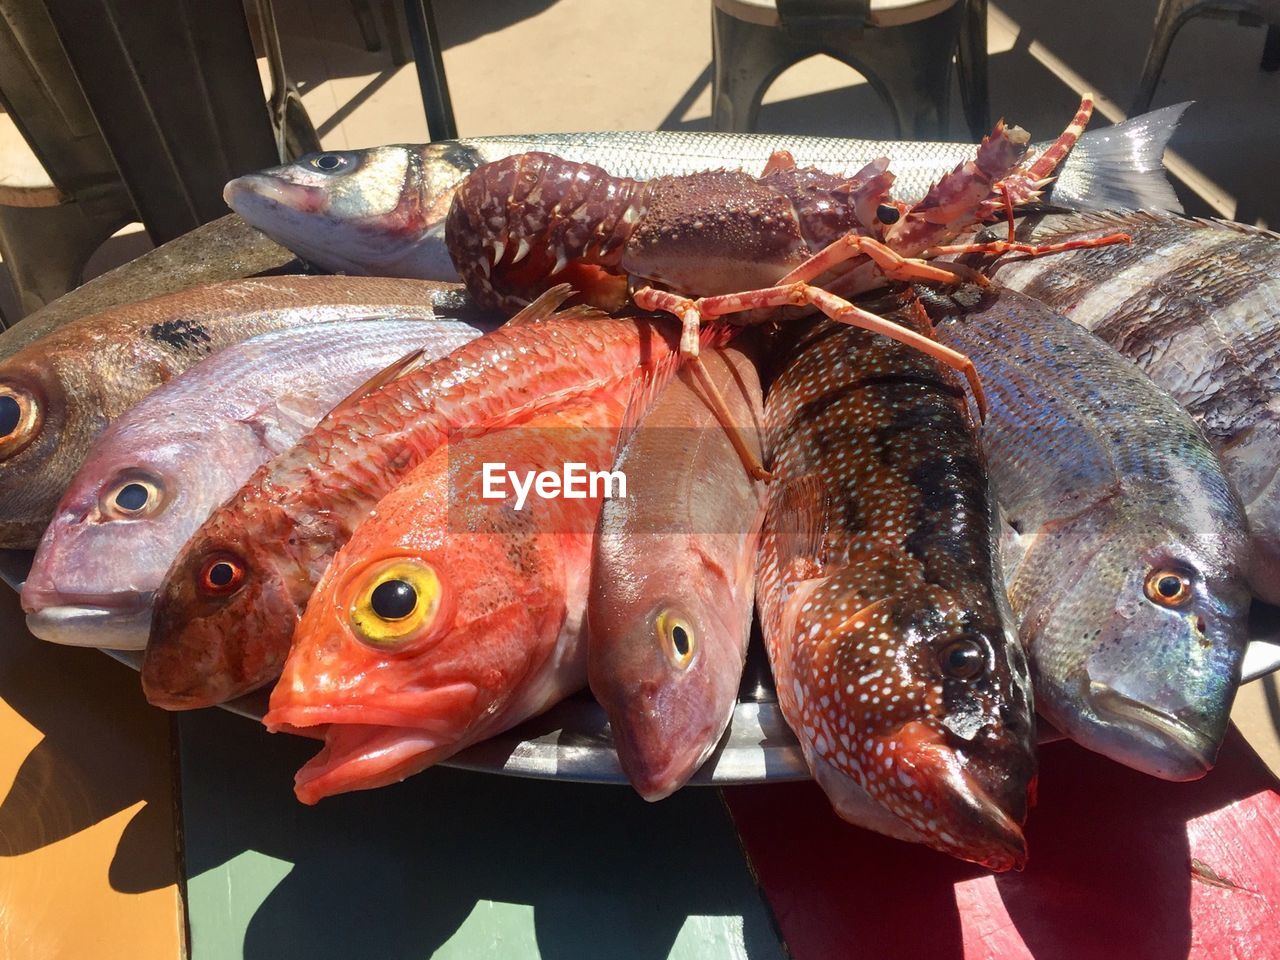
102, 750
396, 872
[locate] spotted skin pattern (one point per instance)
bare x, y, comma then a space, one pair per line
890, 642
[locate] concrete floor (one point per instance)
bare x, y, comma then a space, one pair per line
530, 65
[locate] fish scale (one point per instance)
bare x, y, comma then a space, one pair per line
1108, 486
1196, 304
876, 566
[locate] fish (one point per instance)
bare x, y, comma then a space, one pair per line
447, 618
157, 472
673, 578
59, 393
381, 211
881, 598
228, 607
1126, 548
225, 249
1196, 305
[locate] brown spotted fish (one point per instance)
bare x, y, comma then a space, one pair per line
1196, 305
882, 603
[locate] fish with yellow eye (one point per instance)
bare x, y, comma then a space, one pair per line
447, 617
674, 578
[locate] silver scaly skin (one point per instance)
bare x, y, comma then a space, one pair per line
1196, 305
381, 211
1126, 549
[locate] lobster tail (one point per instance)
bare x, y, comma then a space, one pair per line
521, 225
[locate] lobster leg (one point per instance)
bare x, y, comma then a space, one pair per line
801, 294
997, 247
690, 324
891, 263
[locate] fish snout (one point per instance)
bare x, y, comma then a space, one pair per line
1167, 744
973, 807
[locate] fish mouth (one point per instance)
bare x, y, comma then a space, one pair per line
364, 757
110, 626
966, 820
1148, 739
371, 746
257, 188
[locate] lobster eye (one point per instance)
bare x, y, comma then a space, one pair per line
331, 162
962, 659
887, 214
20, 419
221, 575
400, 602
131, 497
1168, 588
677, 638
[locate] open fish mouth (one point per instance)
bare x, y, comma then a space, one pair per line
1149, 739
362, 757
262, 189
107, 624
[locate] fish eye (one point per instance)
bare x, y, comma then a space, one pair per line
1168, 588
131, 497
221, 575
677, 638
962, 658
887, 214
331, 162
400, 602
20, 419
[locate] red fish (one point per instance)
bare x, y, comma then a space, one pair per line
227, 610
447, 618
882, 601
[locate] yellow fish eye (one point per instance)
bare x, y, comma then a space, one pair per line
20, 419
133, 495
398, 603
677, 638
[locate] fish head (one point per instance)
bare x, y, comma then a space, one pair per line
44, 430
403, 650
378, 211
123, 519
922, 696
664, 662
1139, 650
223, 617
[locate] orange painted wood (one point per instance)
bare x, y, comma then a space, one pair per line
88, 843
1110, 876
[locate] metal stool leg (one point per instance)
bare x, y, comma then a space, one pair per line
971, 65
1169, 20
431, 78
746, 57
910, 67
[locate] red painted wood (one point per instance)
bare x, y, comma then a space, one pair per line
1110, 874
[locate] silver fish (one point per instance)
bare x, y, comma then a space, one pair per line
156, 473
1196, 304
381, 211
1126, 549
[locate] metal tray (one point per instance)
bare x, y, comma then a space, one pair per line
572, 740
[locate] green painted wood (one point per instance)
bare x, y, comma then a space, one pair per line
451, 865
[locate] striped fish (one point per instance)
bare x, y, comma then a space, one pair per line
1196, 305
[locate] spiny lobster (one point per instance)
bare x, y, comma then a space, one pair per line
744, 246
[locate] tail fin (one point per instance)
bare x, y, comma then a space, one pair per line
1121, 167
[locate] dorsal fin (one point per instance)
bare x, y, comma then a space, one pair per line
544, 306
405, 365
797, 522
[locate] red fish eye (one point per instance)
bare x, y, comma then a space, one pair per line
962, 659
1169, 588
221, 575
